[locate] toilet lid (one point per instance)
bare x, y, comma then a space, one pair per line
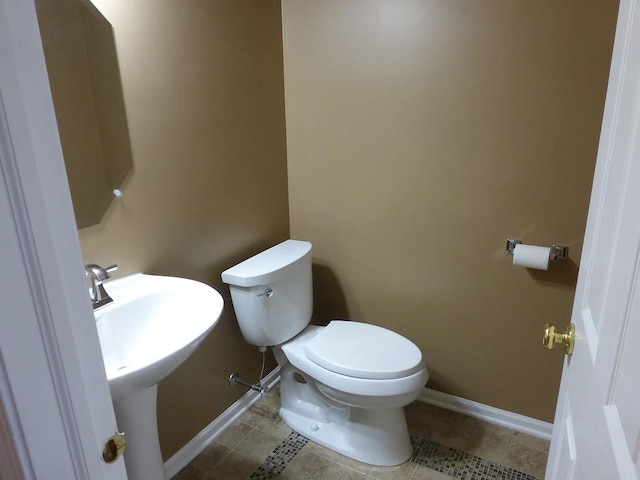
364, 351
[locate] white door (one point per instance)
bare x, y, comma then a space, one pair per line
55, 407
597, 425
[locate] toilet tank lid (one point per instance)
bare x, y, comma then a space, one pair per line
364, 351
266, 266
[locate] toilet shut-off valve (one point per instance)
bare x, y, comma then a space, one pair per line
234, 378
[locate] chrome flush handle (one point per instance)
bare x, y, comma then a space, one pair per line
267, 293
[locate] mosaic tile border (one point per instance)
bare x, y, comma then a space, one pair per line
461, 465
281, 456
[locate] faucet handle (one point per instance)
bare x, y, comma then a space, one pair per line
111, 268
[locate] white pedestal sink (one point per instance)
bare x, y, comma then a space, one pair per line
151, 327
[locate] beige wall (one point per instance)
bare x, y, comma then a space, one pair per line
421, 134
203, 87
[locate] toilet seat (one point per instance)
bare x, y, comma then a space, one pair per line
362, 350
295, 354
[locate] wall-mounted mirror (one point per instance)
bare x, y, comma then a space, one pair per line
81, 59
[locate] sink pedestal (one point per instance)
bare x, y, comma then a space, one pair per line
136, 416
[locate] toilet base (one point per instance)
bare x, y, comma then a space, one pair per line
369, 428
377, 437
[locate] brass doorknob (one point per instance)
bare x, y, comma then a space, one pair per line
551, 337
114, 447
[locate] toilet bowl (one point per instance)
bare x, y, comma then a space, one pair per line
361, 418
343, 386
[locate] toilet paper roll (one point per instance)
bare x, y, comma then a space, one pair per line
531, 256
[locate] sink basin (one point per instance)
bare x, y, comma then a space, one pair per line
153, 324
151, 327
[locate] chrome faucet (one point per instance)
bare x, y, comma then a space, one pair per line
97, 275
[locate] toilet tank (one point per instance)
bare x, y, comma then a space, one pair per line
272, 293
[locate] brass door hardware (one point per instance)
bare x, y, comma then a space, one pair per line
114, 447
551, 337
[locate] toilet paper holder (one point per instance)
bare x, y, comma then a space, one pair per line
556, 252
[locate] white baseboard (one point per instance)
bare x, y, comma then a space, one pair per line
511, 420
203, 439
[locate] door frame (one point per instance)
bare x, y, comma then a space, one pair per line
55, 405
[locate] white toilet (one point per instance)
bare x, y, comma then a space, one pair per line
342, 386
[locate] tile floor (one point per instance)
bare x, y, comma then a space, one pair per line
447, 446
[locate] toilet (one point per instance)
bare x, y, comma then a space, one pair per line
343, 386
